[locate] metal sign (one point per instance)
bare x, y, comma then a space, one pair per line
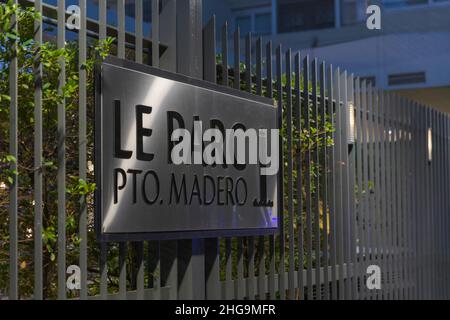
178, 157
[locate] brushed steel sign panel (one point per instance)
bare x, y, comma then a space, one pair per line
141, 193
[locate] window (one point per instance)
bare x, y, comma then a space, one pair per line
370, 80
263, 23
244, 23
299, 15
353, 11
402, 3
256, 22
406, 78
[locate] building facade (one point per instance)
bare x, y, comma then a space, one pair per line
409, 55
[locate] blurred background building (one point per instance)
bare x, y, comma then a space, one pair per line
409, 55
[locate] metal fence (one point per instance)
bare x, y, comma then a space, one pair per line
376, 193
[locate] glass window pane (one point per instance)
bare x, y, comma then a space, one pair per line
263, 23
402, 3
300, 15
245, 24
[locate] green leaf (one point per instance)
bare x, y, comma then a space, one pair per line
11, 36
11, 158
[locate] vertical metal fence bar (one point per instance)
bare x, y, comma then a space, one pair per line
250, 240
383, 194
331, 184
432, 205
248, 62
415, 147
411, 197
155, 272
189, 42
377, 189
431, 208
338, 185
419, 150
121, 55
403, 198
346, 226
155, 33
435, 199
406, 192
401, 189
103, 245
359, 186
421, 201
323, 179
38, 205
122, 270
364, 189
14, 187
121, 29
228, 269
442, 212
139, 247
299, 183
269, 90
351, 185
225, 54
438, 223
409, 192
316, 197
258, 49
426, 211
446, 206
391, 192
423, 155
237, 59
261, 256
240, 291
435, 166
138, 8
309, 245
290, 180
212, 265
442, 208
261, 270
393, 196
372, 180
281, 270
398, 200
154, 269
240, 287
61, 174
82, 144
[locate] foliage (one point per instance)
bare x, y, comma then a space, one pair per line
53, 94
